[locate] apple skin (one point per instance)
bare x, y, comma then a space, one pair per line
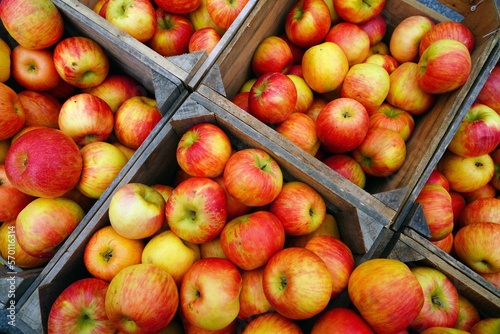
37, 222
107, 252
478, 133
307, 23
5, 52
346, 166
141, 298
405, 40
200, 18
341, 319
468, 315
80, 61
390, 117
204, 39
178, 6
172, 34
481, 210
300, 129
34, 24
212, 248
167, 242
437, 177
440, 307
458, 203
224, 12
445, 244
489, 92
487, 325
12, 115
357, 11
234, 207
4, 148
196, 210
34, 69
136, 210
448, 30
102, 162
387, 312
486, 191
272, 98
270, 322
380, 48
189, 328
305, 94
466, 174
80, 307
13, 200
438, 211
443, 330
381, 153
475, 246
342, 125
249, 241
492, 278
444, 66
253, 301
388, 62
40, 108
209, 293
376, 27
241, 100
54, 166
495, 181
352, 39
203, 150
135, 17
328, 227
324, 67
272, 55
337, 257
299, 207
297, 283
253, 177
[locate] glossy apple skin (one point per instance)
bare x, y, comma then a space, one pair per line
389, 117
35, 24
307, 23
371, 278
468, 315
141, 298
134, 17
437, 177
445, 244
272, 55
489, 93
40, 108
487, 325
376, 27
223, 13
438, 211
44, 162
13, 200
34, 69
341, 319
200, 18
405, 40
305, 94
481, 210
172, 34
448, 30
204, 39
253, 301
178, 6
301, 130
82, 299
388, 62
352, 39
357, 11
270, 322
346, 166
234, 207
11, 111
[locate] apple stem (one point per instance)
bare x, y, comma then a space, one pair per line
284, 282
435, 300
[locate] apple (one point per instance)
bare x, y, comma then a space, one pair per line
486, 191
388, 62
376, 27
307, 22
209, 293
224, 12
13, 200
475, 246
324, 67
396, 119
458, 203
297, 283
196, 210
443, 330
486, 325
34, 69
340, 319
328, 227
189, 328
405, 40
253, 177
80, 307
100, 7
297, 51
37, 221
63, 90
342, 125
271, 322
448, 30
492, 278
204, 39
272, 55
141, 298
495, 181
102, 162
212, 248
253, 301
405, 92
135, 17
234, 207
468, 314
160, 250
135, 119
4, 148
466, 174
368, 84
478, 132
203, 150
44, 162
241, 100
389, 312
127, 151
172, 34
357, 11
34, 24
200, 18
318, 103
436, 205
337, 257
178, 6
346, 166
107, 252
86, 118
437, 177
481, 210
444, 66
489, 92
380, 48
445, 244
5, 52
300, 129
381, 153
89, 63
40, 108
305, 94
352, 39
116, 89
12, 115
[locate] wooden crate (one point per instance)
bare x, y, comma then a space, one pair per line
158, 165
188, 68
397, 191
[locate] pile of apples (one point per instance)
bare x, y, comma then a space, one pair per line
461, 198
172, 28
230, 246
339, 87
68, 125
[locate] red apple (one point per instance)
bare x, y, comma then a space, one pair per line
438, 211
445, 244
396, 119
307, 22
34, 69
172, 34
224, 12
486, 191
357, 11
458, 203
388, 62
44, 162
40, 108
318, 103
481, 210
200, 17
12, 116
468, 314
297, 51
346, 166
376, 28
341, 319
241, 100
234, 207
13, 200
448, 30
495, 180
301, 130
405, 39
271, 322
489, 92
135, 17
204, 39
437, 177
272, 55
253, 301
352, 39
178, 6
492, 278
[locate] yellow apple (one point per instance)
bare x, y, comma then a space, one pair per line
4, 61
